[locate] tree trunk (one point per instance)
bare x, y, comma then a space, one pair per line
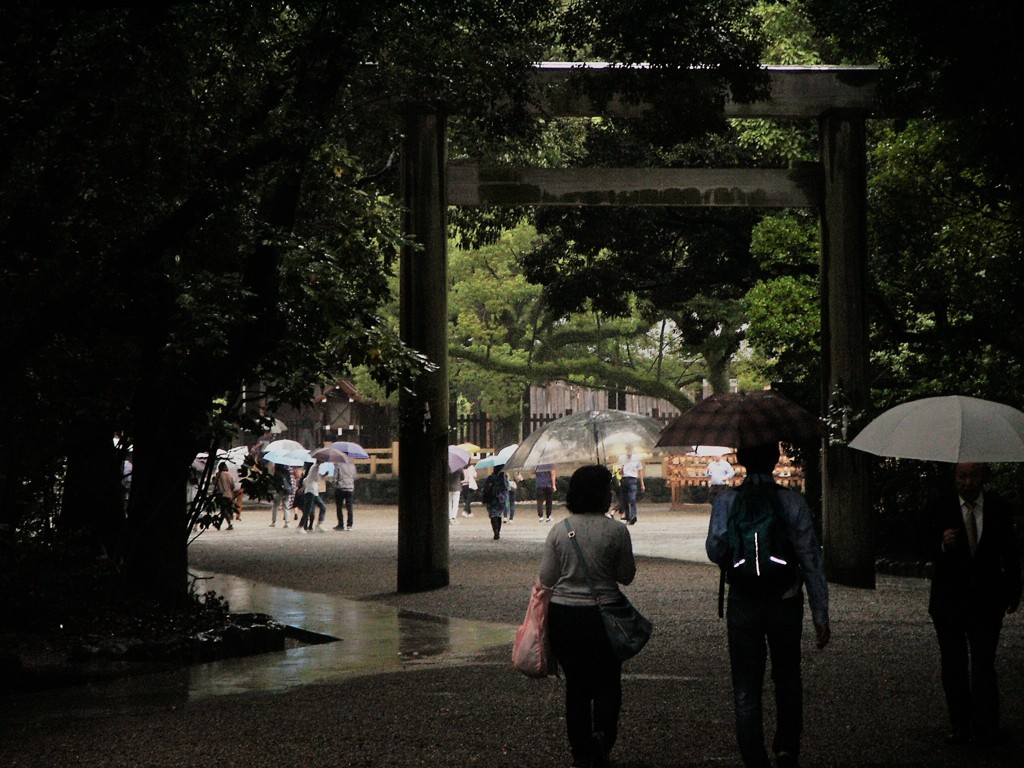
849, 520
718, 371
94, 501
423, 409
154, 549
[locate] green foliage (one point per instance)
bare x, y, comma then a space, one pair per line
783, 308
790, 36
504, 337
200, 195
496, 313
947, 270
955, 61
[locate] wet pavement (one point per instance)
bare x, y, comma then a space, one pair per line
367, 639
374, 638
424, 679
357, 636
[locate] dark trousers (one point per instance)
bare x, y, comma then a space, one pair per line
308, 513
758, 627
544, 497
967, 649
715, 491
343, 498
593, 677
629, 488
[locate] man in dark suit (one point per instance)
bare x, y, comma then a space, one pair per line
976, 581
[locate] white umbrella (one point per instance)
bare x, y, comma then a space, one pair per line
951, 428
277, 446
289, 458
506, 453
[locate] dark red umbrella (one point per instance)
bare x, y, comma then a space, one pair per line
741, 420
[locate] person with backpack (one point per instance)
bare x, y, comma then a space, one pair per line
762, 537
495, 497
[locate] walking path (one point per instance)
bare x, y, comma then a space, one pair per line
424, 679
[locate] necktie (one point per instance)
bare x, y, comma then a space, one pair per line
972, 527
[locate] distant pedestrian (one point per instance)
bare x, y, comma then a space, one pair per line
284, 489
495, 496
632, 483
454, 493
192, 485
344, 492
292, 503
311, 498
228, 489
546, 480
720, 472
469, 489
513, 487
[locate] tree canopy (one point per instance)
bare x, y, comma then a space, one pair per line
197, 196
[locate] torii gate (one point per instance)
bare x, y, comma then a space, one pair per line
840, 98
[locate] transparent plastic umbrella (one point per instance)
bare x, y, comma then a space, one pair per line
588, 437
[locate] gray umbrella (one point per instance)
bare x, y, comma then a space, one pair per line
951, 428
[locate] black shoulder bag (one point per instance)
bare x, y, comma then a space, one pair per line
628, 630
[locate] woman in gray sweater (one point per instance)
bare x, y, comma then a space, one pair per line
593, 674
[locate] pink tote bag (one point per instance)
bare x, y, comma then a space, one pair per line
531, 651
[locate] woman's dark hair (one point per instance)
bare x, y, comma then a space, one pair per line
590, 490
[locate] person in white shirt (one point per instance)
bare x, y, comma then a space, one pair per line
311, 489
469, 488
721, 472
632, 483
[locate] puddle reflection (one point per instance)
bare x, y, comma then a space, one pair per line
371, 639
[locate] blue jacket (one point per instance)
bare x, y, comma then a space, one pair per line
801, 533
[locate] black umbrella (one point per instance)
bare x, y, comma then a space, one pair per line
741, 420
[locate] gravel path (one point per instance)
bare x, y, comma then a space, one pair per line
872, 698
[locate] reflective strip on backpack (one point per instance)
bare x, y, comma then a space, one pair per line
778, 560
757, 554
